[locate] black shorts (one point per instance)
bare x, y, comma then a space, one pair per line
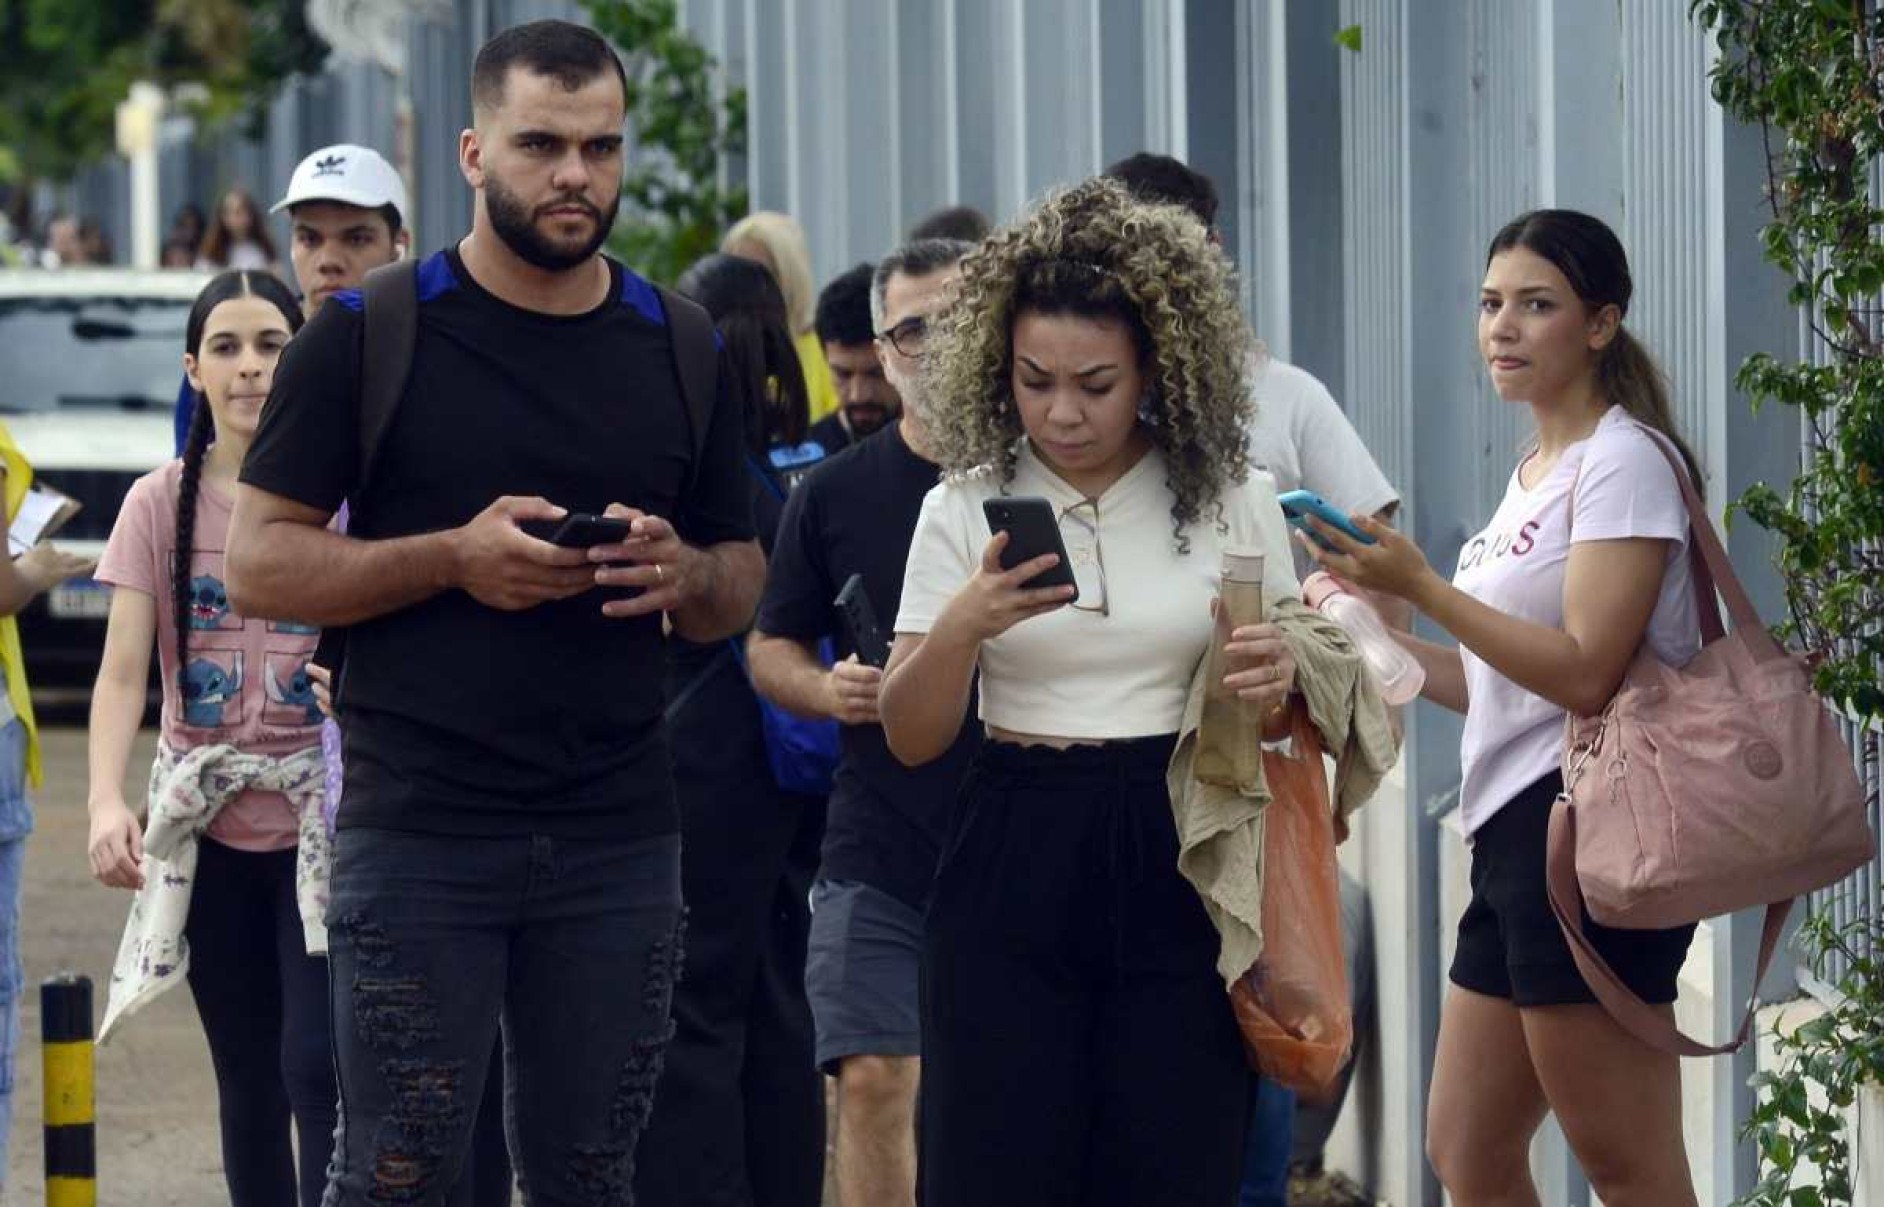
1509, 943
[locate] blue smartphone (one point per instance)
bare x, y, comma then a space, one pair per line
1298, 505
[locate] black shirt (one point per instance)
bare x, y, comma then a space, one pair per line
461, 718
856, 514
831, 433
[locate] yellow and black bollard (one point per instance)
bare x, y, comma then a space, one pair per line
65, 1031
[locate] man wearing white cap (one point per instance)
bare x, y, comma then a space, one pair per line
348, 210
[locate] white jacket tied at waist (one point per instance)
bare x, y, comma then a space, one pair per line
187, 790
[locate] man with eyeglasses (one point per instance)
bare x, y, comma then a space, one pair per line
855, 515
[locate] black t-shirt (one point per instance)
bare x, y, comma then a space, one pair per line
831, 433
856, 514
460, 718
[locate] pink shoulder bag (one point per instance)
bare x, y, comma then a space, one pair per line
1716, 787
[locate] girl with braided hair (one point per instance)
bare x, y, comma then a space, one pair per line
229, 864
1078, 1043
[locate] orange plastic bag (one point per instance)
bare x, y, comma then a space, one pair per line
1293, 1005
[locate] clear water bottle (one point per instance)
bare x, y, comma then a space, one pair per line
1398, 672
1229, 736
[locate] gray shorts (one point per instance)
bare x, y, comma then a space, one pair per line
861, 970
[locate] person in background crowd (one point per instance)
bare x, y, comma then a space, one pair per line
238, 773
95, 243
23, 578
1300, 436
178, 254
866, 399
238, 236
963, 222
65, 246
739, 1111
778, 242
1583, 564
1078, 1043
507, 845
854, 517
187, 226
346, 210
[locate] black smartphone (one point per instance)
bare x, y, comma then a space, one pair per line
859, 618
1033, 529
578, 530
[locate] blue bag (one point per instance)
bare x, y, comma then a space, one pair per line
803, 752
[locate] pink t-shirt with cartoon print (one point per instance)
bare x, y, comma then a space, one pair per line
246, 683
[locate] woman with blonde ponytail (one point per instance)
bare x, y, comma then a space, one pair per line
1584, 562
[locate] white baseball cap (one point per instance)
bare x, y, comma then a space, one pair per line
349, 174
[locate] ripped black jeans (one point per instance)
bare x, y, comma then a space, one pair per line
575, 944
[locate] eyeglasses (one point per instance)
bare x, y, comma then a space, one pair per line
1079, 528
907, 336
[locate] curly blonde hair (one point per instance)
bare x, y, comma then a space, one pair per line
1093, 251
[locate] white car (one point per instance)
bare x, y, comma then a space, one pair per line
91, 362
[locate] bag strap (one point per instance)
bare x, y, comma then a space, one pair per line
390, 332
696, 351
1635, 1016
682, 698
1746, 618
1706, 601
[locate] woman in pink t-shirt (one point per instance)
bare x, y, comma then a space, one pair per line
238, 766
1584, 562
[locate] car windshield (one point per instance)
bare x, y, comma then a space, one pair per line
90, 352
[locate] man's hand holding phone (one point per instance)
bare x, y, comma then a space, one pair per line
502, 566
651, 557
851, 687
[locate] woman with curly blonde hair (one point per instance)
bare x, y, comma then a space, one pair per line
1078, 1045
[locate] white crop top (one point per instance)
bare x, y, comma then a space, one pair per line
1077, 674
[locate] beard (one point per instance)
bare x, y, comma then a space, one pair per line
909, 388
867, 417
515, 224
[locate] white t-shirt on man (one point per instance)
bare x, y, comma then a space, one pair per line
1077, 674
1624, 489
1304, 441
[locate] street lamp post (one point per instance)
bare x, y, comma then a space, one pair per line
139, 116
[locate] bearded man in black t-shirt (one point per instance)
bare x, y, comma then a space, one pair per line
507, 841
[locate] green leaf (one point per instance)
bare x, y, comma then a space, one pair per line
1349, 39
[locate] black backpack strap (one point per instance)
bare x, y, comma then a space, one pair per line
696, 364
389, 331
391, 297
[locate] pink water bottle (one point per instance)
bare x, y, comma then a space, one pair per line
1399, 673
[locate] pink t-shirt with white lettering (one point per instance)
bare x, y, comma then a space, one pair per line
247, 682
1624, 488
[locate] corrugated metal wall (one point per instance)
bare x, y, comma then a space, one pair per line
1669, 173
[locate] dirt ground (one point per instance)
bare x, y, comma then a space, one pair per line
157, 1131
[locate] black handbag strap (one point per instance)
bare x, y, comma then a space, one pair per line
389, 330
696, 354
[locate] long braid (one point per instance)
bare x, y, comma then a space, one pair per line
195, 447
